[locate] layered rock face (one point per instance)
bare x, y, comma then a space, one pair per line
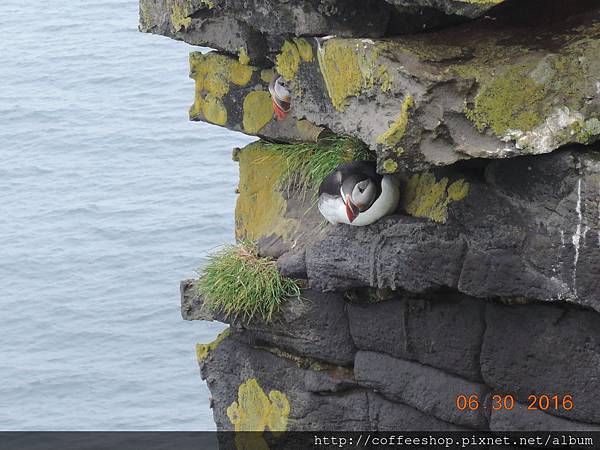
476, 305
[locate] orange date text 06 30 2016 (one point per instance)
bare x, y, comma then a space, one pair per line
498, 402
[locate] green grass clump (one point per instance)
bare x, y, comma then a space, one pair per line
308, 163
239, 283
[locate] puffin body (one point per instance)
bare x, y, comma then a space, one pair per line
355, 194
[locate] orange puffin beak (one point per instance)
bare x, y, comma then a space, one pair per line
351, 210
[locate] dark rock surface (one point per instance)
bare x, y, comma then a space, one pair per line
444, 332
233, 363
292, 264
261, 26
452, 7
426, 389
544, 350
192, 305
528, 229
522, 419
389, 416
526, 350
314, 327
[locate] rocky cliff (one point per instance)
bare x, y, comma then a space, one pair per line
476, 305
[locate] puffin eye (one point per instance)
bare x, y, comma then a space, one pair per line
361, 189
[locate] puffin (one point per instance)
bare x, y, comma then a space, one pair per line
355, 194
280, 98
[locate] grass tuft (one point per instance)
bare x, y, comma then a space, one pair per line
308, 163
239, 283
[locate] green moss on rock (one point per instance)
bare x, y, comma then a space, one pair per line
257, 412
586, 132
522, 92
338, 61
267, 75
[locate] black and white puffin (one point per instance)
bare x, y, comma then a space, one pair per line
281, 98
355, 194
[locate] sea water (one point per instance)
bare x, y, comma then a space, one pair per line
108, 197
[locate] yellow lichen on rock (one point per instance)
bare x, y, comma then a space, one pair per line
202, 350
255, 411
267, 75
396, 131
304, 49
390, 166
349, 67
509, 101
215, 71
146, 20
213, 74
423, 196
287, 61
292, 53
458, 190
240, 74
261, 208
257, 111
243, 57
180, 15
338, 61
214, 110
526, 95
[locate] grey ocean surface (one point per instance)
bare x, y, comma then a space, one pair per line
108, 197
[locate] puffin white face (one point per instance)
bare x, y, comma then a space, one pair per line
358, 196
363, 194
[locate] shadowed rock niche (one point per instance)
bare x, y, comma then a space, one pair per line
485, 283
